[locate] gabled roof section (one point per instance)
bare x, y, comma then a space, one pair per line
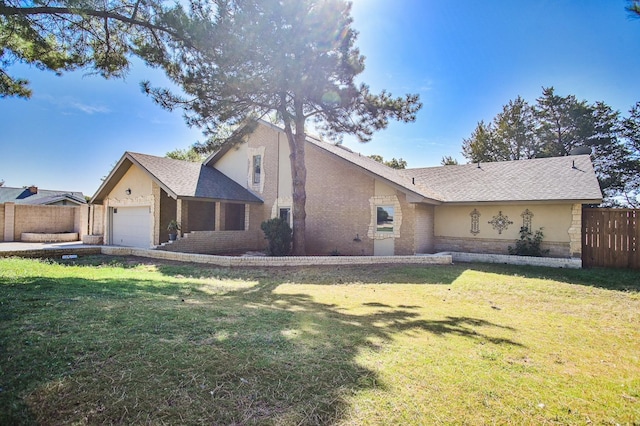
364, 163
386, 173
39, 197
180, 179
569, 178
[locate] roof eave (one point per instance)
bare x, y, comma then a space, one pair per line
194, 198
548, 201
412, 196
118, 172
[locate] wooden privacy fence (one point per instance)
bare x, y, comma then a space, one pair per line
611, 238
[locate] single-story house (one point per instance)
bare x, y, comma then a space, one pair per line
43, 197
355, 205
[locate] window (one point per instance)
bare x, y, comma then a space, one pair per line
257, 168
385, 219
285, 214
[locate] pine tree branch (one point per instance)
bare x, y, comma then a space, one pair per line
45, 10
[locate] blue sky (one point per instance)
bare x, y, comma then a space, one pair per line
465, 58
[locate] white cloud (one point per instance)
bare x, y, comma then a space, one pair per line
67, 103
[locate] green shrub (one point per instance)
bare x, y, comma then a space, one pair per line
279, 234
529, 244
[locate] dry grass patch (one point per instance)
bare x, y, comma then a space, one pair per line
125, 340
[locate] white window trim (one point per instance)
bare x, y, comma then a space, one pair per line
384, 201
252, 152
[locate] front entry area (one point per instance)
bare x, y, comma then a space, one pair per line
131, 226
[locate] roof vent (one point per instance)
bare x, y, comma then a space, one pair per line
581, 150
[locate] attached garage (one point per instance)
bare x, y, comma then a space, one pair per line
131, 226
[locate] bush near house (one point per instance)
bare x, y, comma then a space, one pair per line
529, 244
278, 232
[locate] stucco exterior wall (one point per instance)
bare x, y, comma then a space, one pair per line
142, 194
234, 164
137, 181
424, 224
453, 227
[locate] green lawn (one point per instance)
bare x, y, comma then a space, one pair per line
104, 340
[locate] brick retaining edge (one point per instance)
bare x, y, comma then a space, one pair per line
550, 262
234, 261
445, 258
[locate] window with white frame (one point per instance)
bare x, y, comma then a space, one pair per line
285, 214
384, 218
257, 168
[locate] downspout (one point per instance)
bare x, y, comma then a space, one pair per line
278, 177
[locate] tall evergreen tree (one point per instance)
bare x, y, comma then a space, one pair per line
296, 58
515, 135
481, 146
631, 136
564, 123
555, 126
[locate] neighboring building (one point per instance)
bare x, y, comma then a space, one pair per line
36, 196
355, 205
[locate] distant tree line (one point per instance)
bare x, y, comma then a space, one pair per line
393, 163
562, 125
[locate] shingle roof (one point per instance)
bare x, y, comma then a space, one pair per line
179, 178
541, 179
43, 196
379, 169
365, 163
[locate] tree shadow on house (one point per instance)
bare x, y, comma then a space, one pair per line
127, 350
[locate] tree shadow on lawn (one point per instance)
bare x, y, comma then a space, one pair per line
607, 278
113, 351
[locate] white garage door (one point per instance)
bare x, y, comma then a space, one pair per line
131, 226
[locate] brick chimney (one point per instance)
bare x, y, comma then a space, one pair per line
33, 189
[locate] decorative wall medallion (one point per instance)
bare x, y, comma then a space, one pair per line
475, 222
500, 222
526, 219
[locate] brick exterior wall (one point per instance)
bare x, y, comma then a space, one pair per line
47, 219
1, 222
338, 207
96, 219
492, 246
16, 219
9, 221
214, 242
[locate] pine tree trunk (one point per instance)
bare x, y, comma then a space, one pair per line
299, 177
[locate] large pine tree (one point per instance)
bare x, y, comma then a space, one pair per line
293, 58
555, 126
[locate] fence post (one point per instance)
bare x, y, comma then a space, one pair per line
9, 221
